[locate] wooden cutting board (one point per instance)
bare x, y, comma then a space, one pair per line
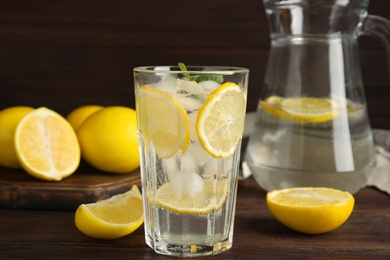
19, 190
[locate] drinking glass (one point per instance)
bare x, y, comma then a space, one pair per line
190, 126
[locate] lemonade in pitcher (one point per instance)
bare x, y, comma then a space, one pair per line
323, 142
190, 131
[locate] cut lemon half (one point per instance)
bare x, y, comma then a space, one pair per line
301, 109
220, 121
311, 210
112, 218
163, 121
212, 197
46, 145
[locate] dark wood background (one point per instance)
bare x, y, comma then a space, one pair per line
65, 53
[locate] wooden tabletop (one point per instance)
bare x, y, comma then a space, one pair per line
41, 234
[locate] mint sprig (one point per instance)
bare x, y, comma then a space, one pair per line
214, 77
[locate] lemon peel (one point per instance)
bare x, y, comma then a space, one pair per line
311, 210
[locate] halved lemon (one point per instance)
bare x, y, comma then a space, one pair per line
46, 145
301, 109
163, 121
112, 218
220, 121
211, 197
310, 210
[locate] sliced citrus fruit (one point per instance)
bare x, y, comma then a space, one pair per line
301, 109
46, 145
112, 218
220, 121
311, 210
211, 197
9, 120
163, 121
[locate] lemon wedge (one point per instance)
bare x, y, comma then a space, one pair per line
301, 109
112, 218
220, 121
211, 197
310, 210
46, 145
163, 121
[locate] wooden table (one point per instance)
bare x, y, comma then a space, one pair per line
40, 234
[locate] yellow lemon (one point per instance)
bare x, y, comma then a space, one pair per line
211, 197
9, 120
46, 145
112, 218
109, 140
310, 210
77, 116
220, 121
163, 121
301, 109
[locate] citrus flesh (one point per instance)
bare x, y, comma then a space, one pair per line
9, 120
211, 197
46, 145
109, 140
310, 210
220, 121
301, 109
77, 116
112, 218
163, 121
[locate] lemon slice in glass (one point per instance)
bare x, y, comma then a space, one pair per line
163, 121
301, 109
220, 121
112, 218
310, 210
211, 197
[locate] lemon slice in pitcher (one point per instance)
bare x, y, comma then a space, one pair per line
302, 109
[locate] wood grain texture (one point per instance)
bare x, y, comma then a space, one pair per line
27, 234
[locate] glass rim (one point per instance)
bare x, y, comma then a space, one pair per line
174, 69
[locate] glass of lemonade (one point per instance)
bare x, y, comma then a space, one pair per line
190, 126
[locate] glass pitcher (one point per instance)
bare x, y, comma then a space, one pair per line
312, 127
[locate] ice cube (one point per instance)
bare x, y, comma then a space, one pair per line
190, 87
209, 86
201, 155
187, 184
190, 103
168, 85
188, 163
219, 168
171, 167
192, 124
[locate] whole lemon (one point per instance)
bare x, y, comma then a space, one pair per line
77, 116
109, 140
9, 120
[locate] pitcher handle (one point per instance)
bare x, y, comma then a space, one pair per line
380, 27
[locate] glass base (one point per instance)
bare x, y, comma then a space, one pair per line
194, 250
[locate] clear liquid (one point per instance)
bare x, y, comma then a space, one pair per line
338, 153
173, 233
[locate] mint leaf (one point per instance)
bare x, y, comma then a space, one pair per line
183, 67
214, 77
